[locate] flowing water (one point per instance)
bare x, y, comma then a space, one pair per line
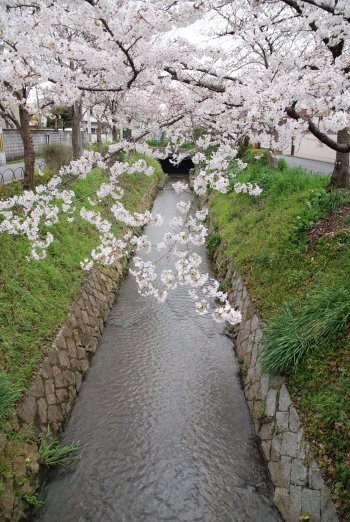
164, 431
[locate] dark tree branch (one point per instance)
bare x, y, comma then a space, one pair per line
326, 140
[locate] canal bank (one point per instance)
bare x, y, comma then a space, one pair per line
272, 268
163, 426
299, 489
61, 368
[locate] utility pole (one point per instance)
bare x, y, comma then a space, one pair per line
2, 149
89, 125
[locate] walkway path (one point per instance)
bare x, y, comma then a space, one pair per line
314, 166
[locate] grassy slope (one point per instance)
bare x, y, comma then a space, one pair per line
35, 296
277, 266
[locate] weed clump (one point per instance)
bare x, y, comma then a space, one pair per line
298, 333
53, 453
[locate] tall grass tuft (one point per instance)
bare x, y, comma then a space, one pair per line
56, 155
301, 332
52, 453
9, 394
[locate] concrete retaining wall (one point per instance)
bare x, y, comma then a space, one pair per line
299, 487
14, 147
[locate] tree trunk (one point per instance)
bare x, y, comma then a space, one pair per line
114, 133
28, 146
77, 141
99, 136
243, 144
273, 160
340, 174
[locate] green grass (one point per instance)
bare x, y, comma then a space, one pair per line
9, 394
258, 235
53, 453
35, 296
302, 291
307, 330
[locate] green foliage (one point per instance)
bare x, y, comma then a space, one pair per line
57, 155
7, 190
157, 143
317, 205
14, 188
188, 145
321, 388
105, 145
260, 156
261, 409
300, 332
61, 115
52, 453
213, 241
282, 164
163, 143
256, 232
33, 501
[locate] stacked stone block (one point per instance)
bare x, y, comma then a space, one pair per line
299, 489
59, 377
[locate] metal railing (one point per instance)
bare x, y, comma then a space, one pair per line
9, 173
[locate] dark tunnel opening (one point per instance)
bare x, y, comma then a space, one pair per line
183, 167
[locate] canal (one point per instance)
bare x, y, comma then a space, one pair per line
164, 431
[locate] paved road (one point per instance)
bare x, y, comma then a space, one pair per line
13, 171
312, 165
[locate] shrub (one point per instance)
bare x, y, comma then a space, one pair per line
260, 156
301, 332
212, 242
282, 164
105, 146
57, 155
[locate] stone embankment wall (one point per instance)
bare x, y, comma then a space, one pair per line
299, 487
57, 382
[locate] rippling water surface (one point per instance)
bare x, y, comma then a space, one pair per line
164, 431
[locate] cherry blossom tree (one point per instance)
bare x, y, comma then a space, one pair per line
114, 50
277, 69
22, 70
272, 72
